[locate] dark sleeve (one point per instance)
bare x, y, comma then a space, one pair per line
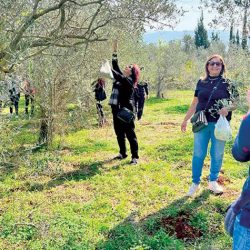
241, 147
146, 88
122, 79
241, 201
197, 89
115, 65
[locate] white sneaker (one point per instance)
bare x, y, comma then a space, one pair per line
134, 161
215, 187
193, 189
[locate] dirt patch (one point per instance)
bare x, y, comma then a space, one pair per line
222, 180
160, 123
180, 164
180, 227
230, 193
168, 123
145, 123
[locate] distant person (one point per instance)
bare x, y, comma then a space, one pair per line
4, 94
2, 84
29, 94
141, 93
122, 97
209, 90
14, 93
241, 152
100, 95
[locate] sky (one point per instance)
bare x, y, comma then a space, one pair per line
190, 19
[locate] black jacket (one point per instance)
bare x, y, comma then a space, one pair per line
125, 86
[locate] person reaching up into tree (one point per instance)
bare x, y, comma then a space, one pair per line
122, 97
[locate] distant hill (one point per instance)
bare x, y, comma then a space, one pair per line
155, 36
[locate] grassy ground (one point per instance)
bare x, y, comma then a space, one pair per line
76, 197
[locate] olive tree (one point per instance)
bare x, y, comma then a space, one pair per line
31, 30
230, 12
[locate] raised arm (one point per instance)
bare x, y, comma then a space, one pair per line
115, 65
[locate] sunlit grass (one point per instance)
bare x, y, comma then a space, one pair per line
75, 196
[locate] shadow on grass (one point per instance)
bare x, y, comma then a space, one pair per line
85, 171
154, 100
180, 109
174, 150
169, 228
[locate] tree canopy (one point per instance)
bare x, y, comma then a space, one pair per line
29, 27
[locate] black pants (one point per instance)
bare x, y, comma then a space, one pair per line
100, 110
14, 101
101, 115
123, 130
29, 99
139, 104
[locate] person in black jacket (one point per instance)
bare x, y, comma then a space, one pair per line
122, 96
141, 93
241, 152
14, 93
29, 94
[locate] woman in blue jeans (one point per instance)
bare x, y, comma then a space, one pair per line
241, 152
211, 94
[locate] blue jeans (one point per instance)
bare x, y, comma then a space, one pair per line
201, 140
241, 237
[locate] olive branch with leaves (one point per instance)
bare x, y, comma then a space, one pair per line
226, 102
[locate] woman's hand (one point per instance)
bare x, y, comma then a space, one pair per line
184, 126
115, 46
223, 112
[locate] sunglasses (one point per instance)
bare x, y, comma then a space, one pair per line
211, 63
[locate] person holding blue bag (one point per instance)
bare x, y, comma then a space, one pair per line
241, 208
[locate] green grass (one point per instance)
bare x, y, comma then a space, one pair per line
74, 196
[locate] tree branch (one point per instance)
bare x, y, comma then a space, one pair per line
35, 6
35, 15
85, 4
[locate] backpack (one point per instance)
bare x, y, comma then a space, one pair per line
100, 93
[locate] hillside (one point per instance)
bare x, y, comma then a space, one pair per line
154, 36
